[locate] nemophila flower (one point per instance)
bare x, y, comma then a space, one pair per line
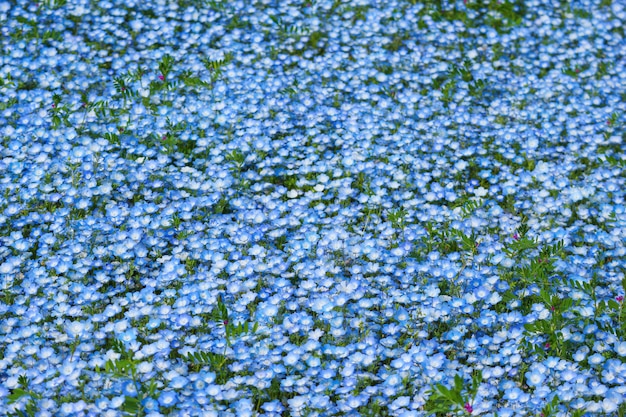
173, 178
150, 404
274, 406
536, 375
168, 399
130, 389
117, 402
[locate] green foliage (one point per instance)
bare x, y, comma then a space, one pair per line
237, 158
101, 108
222, 206
220, 311
462, 71
457, 398
217, 363
215, 67
611, 309
315, 41
572, 72
477, 87
603, 69
166, 65
121, 368
448, 91
112, 138
7, 82
285, 29
59, 112
54, 4
539, 269
613, 118
215, 360
551, 408
373, 409
468, 243
552, 326
445, 239
220, 314
507, 14
468, 206
363, 183
125, 368
289, 91
273, 392
24, 392
397, 218
123, 89
217, 5
521, 243
397, 41
134, 75
582, 13
193, 81
9, 103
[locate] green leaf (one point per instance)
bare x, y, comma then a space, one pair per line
166, 64
458, 383
444, 391
131, 405
23, 381
17, 394
477, 379
566, 304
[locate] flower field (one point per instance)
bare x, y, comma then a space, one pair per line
312, 208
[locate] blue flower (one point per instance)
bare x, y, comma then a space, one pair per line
168, 398
129, 388
535, 377
150, 404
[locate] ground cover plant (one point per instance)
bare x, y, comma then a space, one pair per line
312, 208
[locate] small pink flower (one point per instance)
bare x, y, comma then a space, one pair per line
547, 345
54, 105
619, 298
161, 77
468, 407
164, 137
515, 236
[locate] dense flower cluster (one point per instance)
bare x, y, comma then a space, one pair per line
312, 207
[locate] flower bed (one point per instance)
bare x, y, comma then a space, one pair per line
312, 208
